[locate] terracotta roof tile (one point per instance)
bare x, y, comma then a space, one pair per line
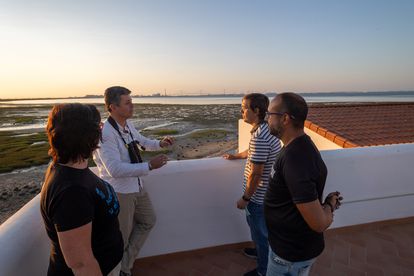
322, 131
330, 136
339, 141
363, 124
314, 127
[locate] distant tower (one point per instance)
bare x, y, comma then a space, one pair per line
165, 92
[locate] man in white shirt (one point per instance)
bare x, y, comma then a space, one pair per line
119, 163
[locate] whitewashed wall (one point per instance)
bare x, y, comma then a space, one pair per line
195, 203
321, 142
377, 182
244, 135
24, 246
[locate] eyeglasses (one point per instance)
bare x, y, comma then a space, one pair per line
242, 109
268, 114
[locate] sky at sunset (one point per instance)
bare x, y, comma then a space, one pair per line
73, 48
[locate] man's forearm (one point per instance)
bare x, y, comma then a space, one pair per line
148, 144
254, 179
252, 184
241, 155
328, 217
318, 217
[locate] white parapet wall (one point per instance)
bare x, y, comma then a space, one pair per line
244, 135
195, 204
321, 142
24, 246
377, 182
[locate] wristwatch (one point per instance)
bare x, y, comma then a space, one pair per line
149, 166
245, 198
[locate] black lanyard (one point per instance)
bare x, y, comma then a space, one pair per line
128, 146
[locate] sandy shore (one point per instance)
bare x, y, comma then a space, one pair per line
17, 188
20, 186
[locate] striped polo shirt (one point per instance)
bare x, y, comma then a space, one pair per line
263, 149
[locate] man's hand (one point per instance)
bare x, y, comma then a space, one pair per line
241, 203
229, 156
166, 142
240, 155
158, 161
333, 200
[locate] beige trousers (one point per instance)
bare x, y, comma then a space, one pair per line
136, 219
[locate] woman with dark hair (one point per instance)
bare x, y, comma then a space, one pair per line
80, 210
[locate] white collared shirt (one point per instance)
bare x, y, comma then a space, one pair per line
112, 158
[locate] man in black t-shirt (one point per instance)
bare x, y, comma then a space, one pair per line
294, 212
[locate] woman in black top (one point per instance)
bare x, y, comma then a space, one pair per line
79, 209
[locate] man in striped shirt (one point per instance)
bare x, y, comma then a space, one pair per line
261, 154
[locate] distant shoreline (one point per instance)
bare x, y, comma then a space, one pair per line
229, 95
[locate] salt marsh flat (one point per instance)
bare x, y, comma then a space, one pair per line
199, 130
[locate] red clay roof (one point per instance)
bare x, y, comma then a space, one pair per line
363, 124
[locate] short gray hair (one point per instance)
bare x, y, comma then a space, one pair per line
113, 95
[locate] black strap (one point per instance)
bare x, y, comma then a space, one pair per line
130, 148
115, 126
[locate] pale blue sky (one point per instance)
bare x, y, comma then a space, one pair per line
73, 48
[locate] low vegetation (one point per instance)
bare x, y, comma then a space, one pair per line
209, 133
22, 151
24, 120
160, 132
147, 155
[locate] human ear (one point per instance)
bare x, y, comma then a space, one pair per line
286, 118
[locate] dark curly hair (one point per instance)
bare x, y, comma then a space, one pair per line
73, 131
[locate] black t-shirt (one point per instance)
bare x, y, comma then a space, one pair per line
298, 176
71, 198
